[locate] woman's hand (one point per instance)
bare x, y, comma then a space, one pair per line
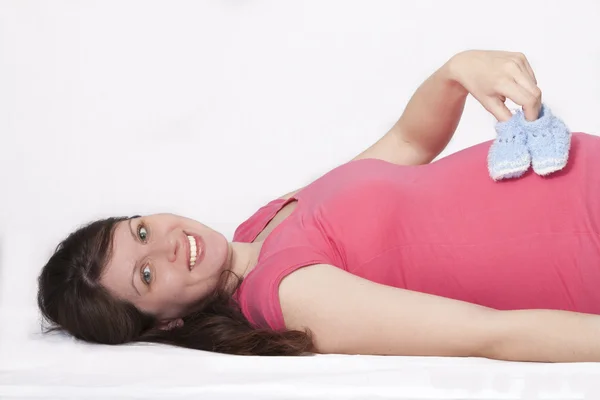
494, 76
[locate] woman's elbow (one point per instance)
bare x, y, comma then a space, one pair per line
499, 340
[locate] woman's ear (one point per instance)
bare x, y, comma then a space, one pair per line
170, 324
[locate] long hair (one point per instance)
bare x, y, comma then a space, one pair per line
71, 298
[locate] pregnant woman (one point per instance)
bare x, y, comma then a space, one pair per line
389, 253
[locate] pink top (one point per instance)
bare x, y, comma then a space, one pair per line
444, 228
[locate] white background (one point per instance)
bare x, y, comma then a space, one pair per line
210, 109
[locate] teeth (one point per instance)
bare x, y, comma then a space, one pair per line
192, 250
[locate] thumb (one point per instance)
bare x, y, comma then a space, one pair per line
498, 109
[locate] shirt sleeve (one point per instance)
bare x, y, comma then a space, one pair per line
259, 294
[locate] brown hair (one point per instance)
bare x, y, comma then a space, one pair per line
71, 298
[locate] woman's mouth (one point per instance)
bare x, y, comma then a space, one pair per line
196, 251
193, 251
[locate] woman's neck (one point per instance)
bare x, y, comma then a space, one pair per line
243, 257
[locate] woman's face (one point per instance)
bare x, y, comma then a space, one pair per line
150, 263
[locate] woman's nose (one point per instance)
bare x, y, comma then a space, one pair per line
172, 248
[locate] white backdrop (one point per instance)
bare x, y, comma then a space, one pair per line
210, 109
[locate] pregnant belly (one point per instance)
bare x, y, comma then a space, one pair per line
540, 271
531, 242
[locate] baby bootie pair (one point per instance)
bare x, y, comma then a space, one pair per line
544, 144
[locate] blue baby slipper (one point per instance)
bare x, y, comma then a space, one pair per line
509, 155
549, 141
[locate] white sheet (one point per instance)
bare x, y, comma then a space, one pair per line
57, 367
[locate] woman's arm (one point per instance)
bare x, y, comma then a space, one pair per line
545, 336
433, 113
435, 109
427, 123
351, 315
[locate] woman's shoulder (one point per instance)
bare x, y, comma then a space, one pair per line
258, 295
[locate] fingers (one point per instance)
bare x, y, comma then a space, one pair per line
522, 88
528, 84
520, 91
528, 81
523, 62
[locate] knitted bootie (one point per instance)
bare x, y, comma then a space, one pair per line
508, 156
548, 140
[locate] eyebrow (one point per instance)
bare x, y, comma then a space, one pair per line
133, 269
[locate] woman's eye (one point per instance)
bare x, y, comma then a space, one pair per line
143, 233
146, 275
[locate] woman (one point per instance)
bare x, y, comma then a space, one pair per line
382, 255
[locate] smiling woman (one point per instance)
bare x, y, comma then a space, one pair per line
123, 279
388, 253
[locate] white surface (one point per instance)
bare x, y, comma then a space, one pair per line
112, 107
58, 367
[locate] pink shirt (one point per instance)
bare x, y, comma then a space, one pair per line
444, 228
